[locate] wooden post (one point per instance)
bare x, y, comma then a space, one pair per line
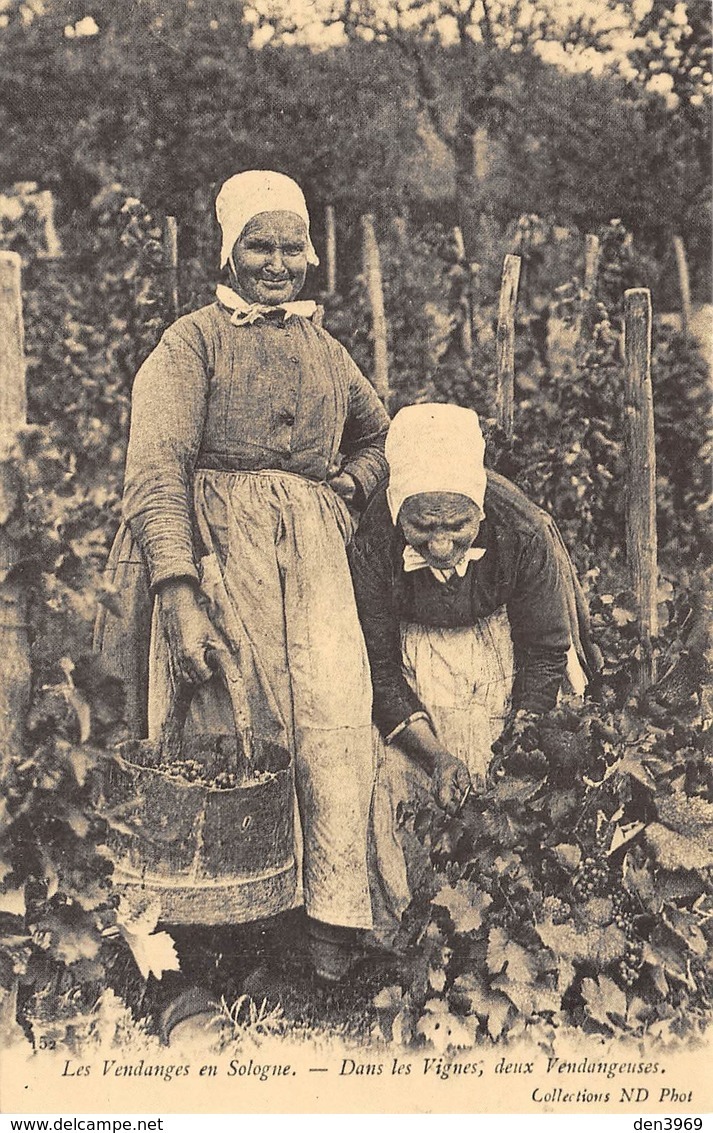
399, 228
466, 327
592, 252
481, 150
44, 204
684, 283
505, 346
170, 259
14, 647
641, 474
375, 291
474, 288
331, 241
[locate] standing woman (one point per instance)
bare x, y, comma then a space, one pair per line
252, 435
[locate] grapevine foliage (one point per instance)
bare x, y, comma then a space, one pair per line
88, 322
575, 891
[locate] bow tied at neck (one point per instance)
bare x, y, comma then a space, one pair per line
245, 314
413, 560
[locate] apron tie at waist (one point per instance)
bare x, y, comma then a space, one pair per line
224, 464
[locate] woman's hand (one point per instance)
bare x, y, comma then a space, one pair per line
344, 485
188, 629
451, 782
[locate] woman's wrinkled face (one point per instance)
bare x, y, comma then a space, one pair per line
270, 258
441, 526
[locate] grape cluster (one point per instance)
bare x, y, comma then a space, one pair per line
591, 879
631, 963
189, 770
225, 781
622, 911
193, 772
556, 910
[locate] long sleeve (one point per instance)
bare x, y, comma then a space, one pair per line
539, 623
364, 433
168, 415
394, 701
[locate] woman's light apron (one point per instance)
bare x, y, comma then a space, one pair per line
276, 579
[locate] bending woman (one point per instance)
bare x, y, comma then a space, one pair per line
471, 612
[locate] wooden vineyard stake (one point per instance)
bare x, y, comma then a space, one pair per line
170, 258
14, 647
466, 326
641, 549
375, 292
592, 252
399, 227
684, 283
505, 346
44, 204
330, 225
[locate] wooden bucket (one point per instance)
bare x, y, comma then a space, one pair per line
204, 823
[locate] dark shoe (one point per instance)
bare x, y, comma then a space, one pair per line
333, 950
193, 1016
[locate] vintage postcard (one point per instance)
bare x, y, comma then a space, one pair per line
355, 637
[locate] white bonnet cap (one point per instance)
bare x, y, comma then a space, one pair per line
435, 448
247, 195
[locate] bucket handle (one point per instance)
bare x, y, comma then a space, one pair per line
220, 660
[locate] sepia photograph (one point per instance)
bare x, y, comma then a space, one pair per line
356, 650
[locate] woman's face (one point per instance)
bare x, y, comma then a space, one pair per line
270, 258
441, 526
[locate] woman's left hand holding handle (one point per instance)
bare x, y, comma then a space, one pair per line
188, 629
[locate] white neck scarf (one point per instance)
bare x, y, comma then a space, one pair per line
414, 561
245, 313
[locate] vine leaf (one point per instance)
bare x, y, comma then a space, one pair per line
72, 943
568, 856
640, 882
154, 952
595, 945
624, 834
491, 1007
691, 816
598, 911
466, 904
676, 851
604, 1000
436, 979
393, 1008
440, 1027
529, 998
664, 951
685, 927
13, 902
502, 953
137, 913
